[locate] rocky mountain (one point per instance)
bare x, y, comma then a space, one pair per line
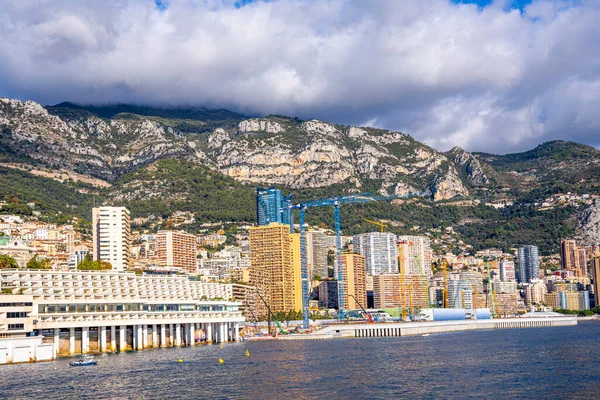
164, 161
268, 151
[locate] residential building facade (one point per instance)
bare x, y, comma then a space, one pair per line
529, 264
272, 268
380, 251
112, 236
271, 207
176, 249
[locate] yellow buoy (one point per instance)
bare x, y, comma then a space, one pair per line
247, 353
221, 361
221, 346
180, 360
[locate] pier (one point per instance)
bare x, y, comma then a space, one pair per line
425, 328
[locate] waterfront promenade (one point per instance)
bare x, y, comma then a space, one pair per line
45, 314
391, 329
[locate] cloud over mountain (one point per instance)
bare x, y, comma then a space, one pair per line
490, 79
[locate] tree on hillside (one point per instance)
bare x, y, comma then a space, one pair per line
88, 265
7, 261
34, 263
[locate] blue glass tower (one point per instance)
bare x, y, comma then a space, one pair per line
529, 265
271, 206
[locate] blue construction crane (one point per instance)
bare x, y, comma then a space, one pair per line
336, 202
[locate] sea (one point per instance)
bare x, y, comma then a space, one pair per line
536, 363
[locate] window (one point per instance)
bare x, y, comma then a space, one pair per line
16, 327
16, 315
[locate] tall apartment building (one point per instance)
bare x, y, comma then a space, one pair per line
414, 255
582, 261
529, 264
317, 250
507, 271
176, 249
271, 207
568, 300
414, 289
596, 278
385, 291
535, 292
380, 250
297, 271
573, 258
460, 294
355, 284
112, 236
272, 268
328, 294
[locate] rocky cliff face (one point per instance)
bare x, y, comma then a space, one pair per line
589, 227
471, 166
259, 151
282, 151
86, 143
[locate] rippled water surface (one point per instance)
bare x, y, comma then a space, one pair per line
516, 363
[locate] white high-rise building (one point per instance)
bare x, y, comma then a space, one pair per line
415, 255
507, 271
380, 251
112, 236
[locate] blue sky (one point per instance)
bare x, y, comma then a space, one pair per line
482, 3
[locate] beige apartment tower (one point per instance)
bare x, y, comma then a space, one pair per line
112, 236
386, 291
596, 278
354, 272
573, 258
272, 268
176, 249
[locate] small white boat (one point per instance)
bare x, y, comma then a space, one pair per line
84, 362
425, 334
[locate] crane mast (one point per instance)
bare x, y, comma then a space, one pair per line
336, 202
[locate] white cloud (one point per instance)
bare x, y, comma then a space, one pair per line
485, 79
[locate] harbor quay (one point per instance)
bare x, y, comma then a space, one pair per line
45, 313
426, 328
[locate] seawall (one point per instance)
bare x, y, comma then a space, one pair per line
424, 328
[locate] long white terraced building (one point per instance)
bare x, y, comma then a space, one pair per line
48, 313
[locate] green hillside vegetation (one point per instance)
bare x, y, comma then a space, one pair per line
186, 186
51, 197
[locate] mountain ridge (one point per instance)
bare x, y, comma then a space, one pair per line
153, 162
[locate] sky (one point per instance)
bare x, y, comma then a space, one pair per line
487, 75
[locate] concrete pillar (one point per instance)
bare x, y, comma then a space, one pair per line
139, 335
56, 341
222, 333
113, 338
177, 335
209, 332
85, 340
122, 337
145, 336
154, 336
102, 339
72, 341
236, 329
134, 337
192, 336
163, 335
